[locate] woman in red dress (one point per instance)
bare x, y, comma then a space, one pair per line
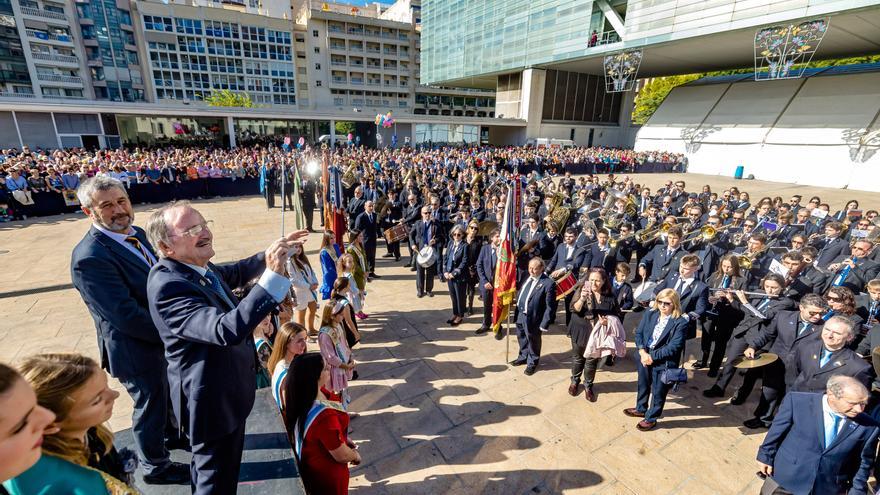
319, 428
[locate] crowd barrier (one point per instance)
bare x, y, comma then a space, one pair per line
51, 203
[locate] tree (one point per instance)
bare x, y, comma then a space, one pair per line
654, 92
343, 128
227, 98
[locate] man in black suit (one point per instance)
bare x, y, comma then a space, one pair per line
425, 232
355, 206
486, 263
692, 292
307, 192
756, 250
208, 336
664, 258
785, 332
534, 305
601, 254
855, 270
530, 239
567, 258
411, 214
109, 268
817, 360
808, 280
368, 224
831, 246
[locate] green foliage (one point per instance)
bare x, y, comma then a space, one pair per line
654, 92
227, 98
343, 128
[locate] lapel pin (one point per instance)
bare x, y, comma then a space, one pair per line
202, 281
815, 356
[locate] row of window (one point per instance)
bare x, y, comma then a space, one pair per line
179, 94
216, 29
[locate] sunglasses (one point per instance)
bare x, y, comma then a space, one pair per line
832, 298
664, 303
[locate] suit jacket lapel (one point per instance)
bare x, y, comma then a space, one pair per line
205, 285
848, 428
120, 250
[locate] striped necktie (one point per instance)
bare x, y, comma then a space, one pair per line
141, 249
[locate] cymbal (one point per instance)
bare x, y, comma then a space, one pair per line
764, 359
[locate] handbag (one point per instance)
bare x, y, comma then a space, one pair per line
23, 197
674, 377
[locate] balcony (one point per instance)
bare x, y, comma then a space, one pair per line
53, 57
339, 80
339, 101
60, 79
64, 97
44, 36
356, 49
357, 82
45, 14
10, 94
339, 63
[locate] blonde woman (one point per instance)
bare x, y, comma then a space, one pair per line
290, 342
329, 256
305, 286
346, 269
75, 389
334, 348
660, 339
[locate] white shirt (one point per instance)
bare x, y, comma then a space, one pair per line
120, 238
533, 281
658, 329
684, 283
568, 251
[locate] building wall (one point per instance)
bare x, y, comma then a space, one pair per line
822, 130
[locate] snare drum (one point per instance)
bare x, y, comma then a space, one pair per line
396, 233
564, 285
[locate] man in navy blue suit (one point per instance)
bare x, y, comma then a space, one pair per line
692, 292
820, 443
207, 335
534, 306
109, 268
486, 262
368, 223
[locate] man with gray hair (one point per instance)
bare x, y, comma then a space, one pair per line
820, 443
817, 360
109, 268
207, 334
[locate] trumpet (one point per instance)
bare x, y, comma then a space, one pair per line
706, 233
649, 234
612, 243
746, 260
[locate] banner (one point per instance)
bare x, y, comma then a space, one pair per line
505, 270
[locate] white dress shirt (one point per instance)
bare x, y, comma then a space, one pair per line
658, 329
121, 239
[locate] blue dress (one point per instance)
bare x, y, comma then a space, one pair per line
55, 476
328, 270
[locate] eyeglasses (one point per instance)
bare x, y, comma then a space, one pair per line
472, 227
664, 303
832, 298
197, 229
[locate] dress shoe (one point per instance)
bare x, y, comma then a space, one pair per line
755, 423
430, 294
499, 335
397, 258
589, 394
174, 474
412, 269
449, 321
455, 322
420, 295
531, 369
645, 425
518, 362
738, 399
633, 413
714, 391
482, 330
698, 365
573, 389
609, 360
387, 255
373, 275
712, 373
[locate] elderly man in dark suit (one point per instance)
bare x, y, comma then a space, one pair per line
109, 268
534, 305
816, 361
425, 232
784, 333
820, 443
207, 334
854, 270
368, 224
486, 263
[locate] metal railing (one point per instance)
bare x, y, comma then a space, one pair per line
48, 14
69, 59
60, 79
42, 35
10, 94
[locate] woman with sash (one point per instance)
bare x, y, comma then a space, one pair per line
319, 428
329, 257
304, 284
290, 342
79, 457
358, 274
335, 350
346, 267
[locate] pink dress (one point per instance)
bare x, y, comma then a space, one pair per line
335, 350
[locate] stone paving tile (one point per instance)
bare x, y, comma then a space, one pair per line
442, 412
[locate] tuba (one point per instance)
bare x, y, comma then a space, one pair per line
558, 214
348, 177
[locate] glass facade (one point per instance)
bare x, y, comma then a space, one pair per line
447, 133
114, 79
574, 97
462, 38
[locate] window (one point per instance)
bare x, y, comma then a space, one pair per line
317, 66
318, 83
315, 33
158, 23
317, 50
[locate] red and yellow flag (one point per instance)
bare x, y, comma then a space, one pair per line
505, 270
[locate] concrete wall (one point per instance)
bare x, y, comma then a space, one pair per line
822, 131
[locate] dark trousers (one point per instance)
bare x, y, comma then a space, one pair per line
370, 251
735, 348
270, 197
425, 278
470, 290
149, 417
529, 343
309, 213
288, 197
567, 302
650, 387
216, 463
488, 296
771, 487
717, 333
457, 291
581, 366
772, 391
394, 249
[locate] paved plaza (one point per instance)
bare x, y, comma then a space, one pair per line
440, 411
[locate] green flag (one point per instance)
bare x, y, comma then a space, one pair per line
299, 219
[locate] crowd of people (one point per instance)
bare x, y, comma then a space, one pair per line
41, 182
785, 290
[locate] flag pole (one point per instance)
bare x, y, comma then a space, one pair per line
283, 178
507, 338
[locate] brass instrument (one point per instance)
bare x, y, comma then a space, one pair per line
706, 233
746, 260
649, 234
349, 178
612, 243
558, 214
